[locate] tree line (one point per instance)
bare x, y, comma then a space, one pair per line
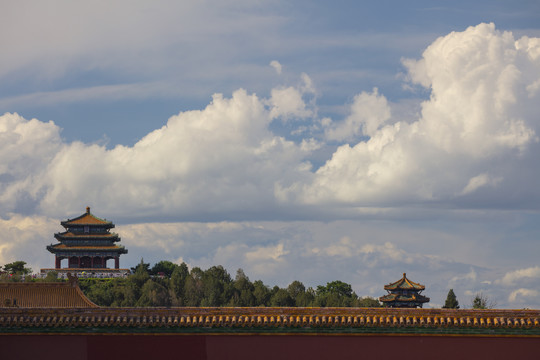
169, 284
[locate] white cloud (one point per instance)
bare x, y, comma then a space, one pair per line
277, 66
206, 160
25, 238
479, 116
470, 277
368, 113
512, 277
526, 293
288, 102
26, 149
132, 36
104, 93
477, 131
478, 182
273, 253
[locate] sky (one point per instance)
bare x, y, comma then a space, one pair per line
306, 140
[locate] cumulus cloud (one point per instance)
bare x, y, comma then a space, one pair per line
479, 115
473, 136
20, 236
26, 149
368, 112
288, 102
223, 158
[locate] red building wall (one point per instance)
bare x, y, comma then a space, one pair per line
239, 347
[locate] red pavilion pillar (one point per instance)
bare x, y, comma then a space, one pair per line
117, 262
92, 262
57, 261
78, 262
103, 262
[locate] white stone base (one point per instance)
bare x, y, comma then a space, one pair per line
88, 272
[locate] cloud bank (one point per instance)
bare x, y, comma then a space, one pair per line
480, 115
473, 135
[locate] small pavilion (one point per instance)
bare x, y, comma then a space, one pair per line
404, 293
86, 244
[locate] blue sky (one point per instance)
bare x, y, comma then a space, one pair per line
306, 141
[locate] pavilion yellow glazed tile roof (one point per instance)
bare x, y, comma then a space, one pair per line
86, 219
83, 236
78, 247
404, 284
401, 297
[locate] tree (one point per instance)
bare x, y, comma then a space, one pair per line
138, 279
306, 298
295, 289
194, 288
481, 301
143, 265
261, 293
125, 292
165, 267
367, 302
52, 276
335, 294
281, 297
17, 268
451, 301
216, 286
177, 283
153, 294
242, 290
336, 287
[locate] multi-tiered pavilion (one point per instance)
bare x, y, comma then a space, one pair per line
404, 293
87, 244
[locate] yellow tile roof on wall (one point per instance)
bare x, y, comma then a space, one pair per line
43, 295
526, 322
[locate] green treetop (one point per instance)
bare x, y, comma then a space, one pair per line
17, 268
451, 301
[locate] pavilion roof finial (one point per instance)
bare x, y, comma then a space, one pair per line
88, 209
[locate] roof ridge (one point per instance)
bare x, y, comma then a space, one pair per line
87, 214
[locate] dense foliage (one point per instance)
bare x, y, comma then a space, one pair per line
16, 268
169, 284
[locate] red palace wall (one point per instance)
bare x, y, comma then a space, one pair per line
283, 346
